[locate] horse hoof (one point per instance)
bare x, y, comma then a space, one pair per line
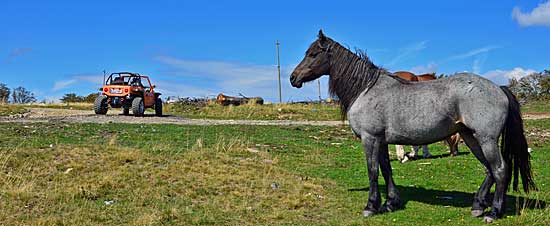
427, 156
368, 213
405, 159
386, 208
477, 213
488, 219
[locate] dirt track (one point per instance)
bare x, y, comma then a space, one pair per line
84, 116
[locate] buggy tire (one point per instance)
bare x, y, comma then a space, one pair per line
100, 105
158, 107
137, 106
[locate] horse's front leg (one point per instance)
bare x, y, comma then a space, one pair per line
426, 152
393, 202
400, 152
371, 145
414, 152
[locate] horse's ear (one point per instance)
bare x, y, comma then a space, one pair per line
321, 36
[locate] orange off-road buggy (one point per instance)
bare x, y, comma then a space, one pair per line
128, 90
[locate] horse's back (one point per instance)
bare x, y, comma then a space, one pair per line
406, 112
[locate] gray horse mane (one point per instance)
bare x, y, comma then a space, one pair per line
351, 74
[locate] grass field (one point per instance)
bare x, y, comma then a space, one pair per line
70, 106
536, 106
113, 174
9, 109
300, 112
308, 112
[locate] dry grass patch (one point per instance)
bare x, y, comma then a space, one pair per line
313, 112
10, 109
229, 183
70, 106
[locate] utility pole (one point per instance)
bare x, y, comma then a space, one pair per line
279, 71
319, 89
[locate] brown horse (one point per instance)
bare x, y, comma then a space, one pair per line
409, 76
452, 141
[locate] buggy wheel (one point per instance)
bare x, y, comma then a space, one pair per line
158, 107
100, 105
137, 106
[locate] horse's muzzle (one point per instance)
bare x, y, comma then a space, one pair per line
295, 82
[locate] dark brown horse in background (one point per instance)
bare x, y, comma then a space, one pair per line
452, 141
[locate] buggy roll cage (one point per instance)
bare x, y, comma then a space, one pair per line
131, 76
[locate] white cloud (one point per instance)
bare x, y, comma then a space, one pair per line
473, 52
423, 69
539, 16
16, 52
51, 99
97, 79
478, 63
404, 52
172, 88
59, 85
206, 78
501, 77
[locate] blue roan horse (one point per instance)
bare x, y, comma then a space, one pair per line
379, 106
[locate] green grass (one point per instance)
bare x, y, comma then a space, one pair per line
315, 112
169, 174
536, 106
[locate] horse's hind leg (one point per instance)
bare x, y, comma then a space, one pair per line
499, 170
393, 201
453, 141
481, 198
496, 169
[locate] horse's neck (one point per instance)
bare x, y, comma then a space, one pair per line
350, 76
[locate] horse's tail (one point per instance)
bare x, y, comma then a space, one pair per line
514, 145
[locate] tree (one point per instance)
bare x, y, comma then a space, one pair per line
20, 95
71, 98
545, 87
533, 86
442, 76
513, 85
4, 93
91, 97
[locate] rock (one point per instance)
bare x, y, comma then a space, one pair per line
68, 170
109, 202
252, 150
274, 185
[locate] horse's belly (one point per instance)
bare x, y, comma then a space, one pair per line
415, 133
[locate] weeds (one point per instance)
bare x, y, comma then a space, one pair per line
119, 174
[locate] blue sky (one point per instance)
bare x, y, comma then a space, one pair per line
201, 48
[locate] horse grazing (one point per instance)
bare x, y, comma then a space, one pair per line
452, 141
379, 106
